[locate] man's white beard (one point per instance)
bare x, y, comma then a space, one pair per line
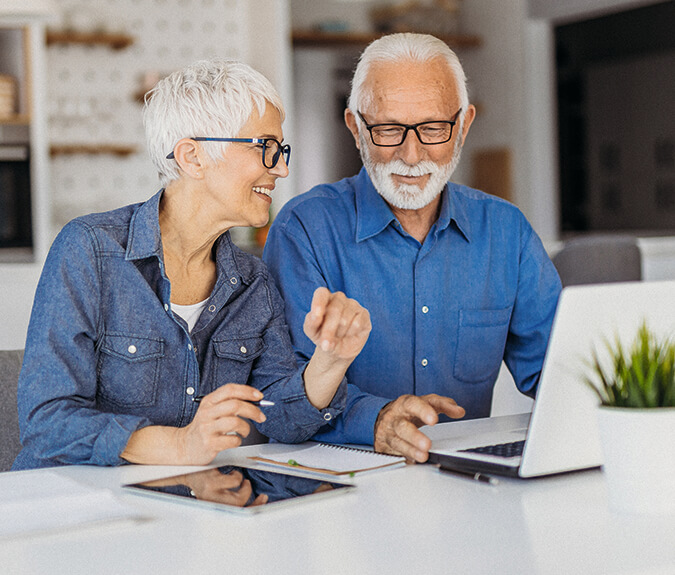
408, 196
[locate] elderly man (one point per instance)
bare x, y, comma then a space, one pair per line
455, 280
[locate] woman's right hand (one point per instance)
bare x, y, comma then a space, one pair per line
218, 424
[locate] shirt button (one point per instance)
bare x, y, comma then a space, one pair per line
242, 349
166, 307
190, 346
190, 390
131, 349
425, 309
425, 362
327, 416
233, 281
212, 308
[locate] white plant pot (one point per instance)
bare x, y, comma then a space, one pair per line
639, 458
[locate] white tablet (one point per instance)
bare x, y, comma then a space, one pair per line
240, 489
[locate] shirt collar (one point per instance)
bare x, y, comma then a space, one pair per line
145, 239
453, 210
374, 214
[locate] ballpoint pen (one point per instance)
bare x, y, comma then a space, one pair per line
261, 403
476, 476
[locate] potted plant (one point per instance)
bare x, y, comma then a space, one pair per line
636, 418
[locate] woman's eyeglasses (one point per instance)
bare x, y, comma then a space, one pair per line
272, 149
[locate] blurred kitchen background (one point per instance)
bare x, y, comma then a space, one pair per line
575, 125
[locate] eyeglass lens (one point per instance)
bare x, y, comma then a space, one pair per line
272, 151
427, 133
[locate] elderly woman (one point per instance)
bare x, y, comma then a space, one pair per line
152, 337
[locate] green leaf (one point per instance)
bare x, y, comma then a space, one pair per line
643, 376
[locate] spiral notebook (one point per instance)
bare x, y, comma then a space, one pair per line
330, 459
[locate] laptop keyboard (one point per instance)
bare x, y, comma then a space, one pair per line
513, 449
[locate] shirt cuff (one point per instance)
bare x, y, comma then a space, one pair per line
112, 441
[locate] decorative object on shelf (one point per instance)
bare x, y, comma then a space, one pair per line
84, 25
636, 418
438, 17
7, 97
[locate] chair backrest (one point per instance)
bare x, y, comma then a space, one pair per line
599, 259
10, 366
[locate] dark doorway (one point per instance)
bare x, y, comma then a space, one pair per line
616, 121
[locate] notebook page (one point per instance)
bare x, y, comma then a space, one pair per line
333, 458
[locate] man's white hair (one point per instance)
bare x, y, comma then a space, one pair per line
212, 98
400, 48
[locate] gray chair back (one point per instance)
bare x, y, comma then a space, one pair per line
10, 366
599, 259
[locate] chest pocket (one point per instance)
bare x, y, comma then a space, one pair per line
234, 359
480, 343
128, 369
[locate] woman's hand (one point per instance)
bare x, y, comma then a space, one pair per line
218, 425
339, 327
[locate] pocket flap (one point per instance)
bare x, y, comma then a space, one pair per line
132, 347
240, 349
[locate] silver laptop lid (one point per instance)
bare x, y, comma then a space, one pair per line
563, 433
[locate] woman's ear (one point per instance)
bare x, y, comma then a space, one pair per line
188, 156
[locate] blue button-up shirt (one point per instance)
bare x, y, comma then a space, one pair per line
445, 313
106, 356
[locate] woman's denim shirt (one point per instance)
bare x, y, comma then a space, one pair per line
105, 355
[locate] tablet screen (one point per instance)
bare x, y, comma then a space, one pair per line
239, 489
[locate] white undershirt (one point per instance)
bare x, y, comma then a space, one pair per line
190, 313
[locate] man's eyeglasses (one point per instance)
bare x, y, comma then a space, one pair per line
272, 149
390, 135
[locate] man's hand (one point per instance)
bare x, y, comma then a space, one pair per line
396, 428
339, 327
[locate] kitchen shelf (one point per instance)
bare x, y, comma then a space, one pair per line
93, 149
16, 120
114, 41
315, 39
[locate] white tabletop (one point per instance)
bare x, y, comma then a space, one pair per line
408, 520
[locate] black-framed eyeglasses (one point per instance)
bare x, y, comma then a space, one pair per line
272, 149
429, 133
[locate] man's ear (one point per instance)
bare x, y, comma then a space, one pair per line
188, 156
469, 117
350, 120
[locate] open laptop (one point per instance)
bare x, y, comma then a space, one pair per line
561, 434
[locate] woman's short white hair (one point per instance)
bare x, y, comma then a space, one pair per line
400, 48
212, 98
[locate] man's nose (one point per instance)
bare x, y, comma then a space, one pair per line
411, 150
